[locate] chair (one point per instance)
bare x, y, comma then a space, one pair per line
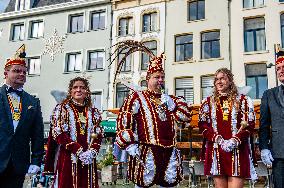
263, 171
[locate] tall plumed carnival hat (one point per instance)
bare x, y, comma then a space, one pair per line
130, 46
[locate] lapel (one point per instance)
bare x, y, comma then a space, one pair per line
279, 96
3, 94
25, 103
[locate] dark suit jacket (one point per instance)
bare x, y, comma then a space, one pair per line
271, 130
25, 146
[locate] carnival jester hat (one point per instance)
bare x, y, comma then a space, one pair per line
18, 58
130, 46
279, 55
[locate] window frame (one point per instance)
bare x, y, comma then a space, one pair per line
197, 10
282, 27
151, 27
211, 46
129, 57
71, 16
104, 21
67, 62
184, 89
31, 29
184, 44
22, 31
101, 94
28, 62
128, 26
253, 4
125, 92
89, 59
254, 35
256, 79
201, 85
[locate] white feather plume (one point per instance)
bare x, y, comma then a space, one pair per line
59, 96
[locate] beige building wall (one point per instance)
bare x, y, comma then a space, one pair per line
216, 18
270, 11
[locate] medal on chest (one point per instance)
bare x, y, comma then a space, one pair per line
225, 109
159, 107
16, 108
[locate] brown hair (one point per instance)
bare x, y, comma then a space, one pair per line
87, 100
233, 91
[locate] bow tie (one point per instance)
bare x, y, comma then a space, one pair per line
12, 90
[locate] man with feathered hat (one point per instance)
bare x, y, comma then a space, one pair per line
21, 125
146, 126
271, 125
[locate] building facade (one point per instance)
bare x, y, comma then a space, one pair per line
257, 26
140, 20
82, 28
197, 44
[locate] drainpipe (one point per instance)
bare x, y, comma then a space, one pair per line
110, 50
229, 27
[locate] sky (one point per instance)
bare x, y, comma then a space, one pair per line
3, 5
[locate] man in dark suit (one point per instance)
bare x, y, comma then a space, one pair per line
21, 126
271, 130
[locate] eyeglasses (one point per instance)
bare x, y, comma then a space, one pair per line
19, 71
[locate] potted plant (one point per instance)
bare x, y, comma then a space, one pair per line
108, 169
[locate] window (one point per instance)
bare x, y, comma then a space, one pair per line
96, 60
152, 45
282, 28
149, 22
184, 88
18, 32
210, 45
34, 66
97, 100
126, 67
125, 25
254, 34
184, 48
196, 10
256, 77
253, 3
76, 23
36, 29
74, 62
21, 5
281, 0
121, 93
207, 85
98, 20
143, 83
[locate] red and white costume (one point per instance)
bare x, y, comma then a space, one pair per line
72, 136
213, 122
152, 126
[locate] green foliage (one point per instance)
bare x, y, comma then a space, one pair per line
108, 160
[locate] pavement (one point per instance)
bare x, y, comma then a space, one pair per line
120, 183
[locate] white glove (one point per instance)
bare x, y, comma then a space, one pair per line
87, 157
229, 145
33, 169
168, 101
133, 150
266, 157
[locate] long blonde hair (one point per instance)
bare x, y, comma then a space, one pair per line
233, 91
